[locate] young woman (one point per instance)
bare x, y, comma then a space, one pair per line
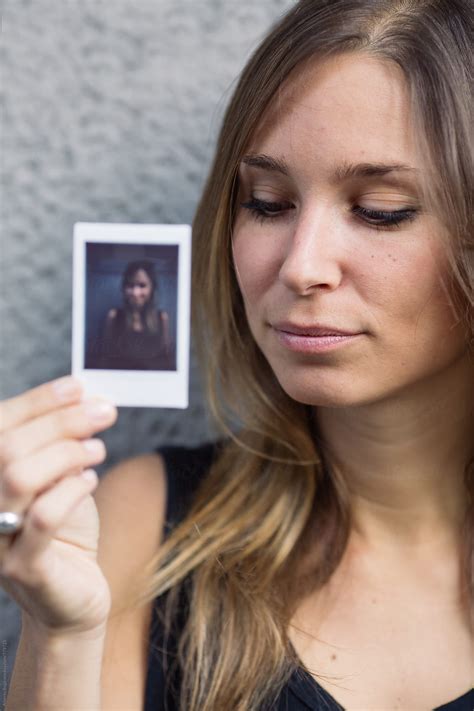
320, 555
136, 336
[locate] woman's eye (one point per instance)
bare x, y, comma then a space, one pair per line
263, 210
382, 219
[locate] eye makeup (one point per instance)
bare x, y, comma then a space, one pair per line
263, 211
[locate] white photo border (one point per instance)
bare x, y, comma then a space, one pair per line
133, 388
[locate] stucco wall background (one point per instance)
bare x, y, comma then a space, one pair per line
110, 112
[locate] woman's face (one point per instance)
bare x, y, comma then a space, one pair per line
313, 248
138, 289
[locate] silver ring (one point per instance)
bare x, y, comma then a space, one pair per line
10, 522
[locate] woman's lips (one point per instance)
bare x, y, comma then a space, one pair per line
314, 344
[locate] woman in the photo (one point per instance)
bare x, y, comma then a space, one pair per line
320, 554
136, 335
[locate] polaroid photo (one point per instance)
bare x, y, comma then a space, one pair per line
131, 312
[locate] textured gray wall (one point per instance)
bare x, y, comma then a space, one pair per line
111, 110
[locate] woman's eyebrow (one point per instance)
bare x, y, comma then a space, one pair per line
369, 170
341, 173
265, 162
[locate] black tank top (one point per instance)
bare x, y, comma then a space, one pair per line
124, 349
185, 467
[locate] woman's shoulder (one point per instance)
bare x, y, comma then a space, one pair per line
149, 491
131, 499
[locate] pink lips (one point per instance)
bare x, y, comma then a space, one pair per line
314, 329
314, 338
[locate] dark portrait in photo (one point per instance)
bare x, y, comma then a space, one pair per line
131, 304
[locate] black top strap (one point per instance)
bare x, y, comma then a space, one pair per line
185, 468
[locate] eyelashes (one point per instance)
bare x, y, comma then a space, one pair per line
383, 218
264, 211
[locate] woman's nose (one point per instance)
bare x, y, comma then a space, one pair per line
313, 256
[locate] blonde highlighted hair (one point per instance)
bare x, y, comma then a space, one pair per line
270, 498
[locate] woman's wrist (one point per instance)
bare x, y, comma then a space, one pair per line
57, 669
40, 634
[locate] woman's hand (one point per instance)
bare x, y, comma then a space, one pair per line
50, 566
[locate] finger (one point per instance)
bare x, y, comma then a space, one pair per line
73, 422
24, 479
38, 401
47, 514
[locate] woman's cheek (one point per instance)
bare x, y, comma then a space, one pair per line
249, 266
257, 261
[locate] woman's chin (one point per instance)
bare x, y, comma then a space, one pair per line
318, 393
319, 399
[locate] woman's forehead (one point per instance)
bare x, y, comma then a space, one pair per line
139, 274
353, 103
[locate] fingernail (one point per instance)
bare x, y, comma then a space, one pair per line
94, 446
65, 388
89, 475
99, 411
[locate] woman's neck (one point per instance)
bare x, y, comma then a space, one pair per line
404, 459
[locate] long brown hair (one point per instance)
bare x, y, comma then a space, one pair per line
270, 498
